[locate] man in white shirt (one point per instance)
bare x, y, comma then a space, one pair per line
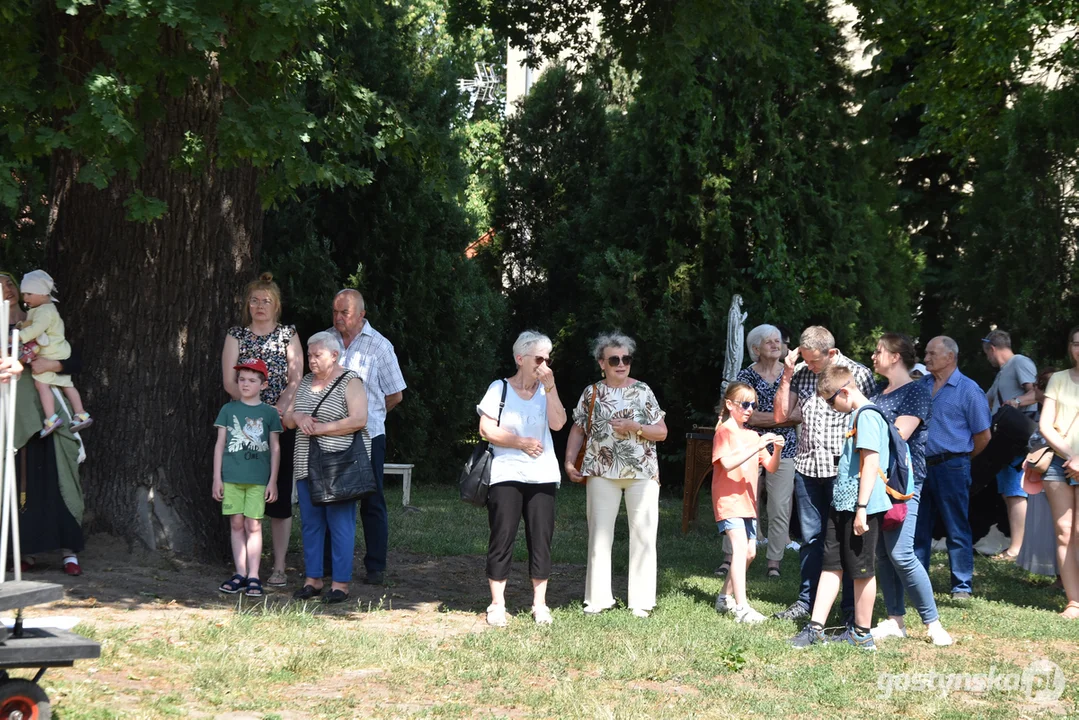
370, 355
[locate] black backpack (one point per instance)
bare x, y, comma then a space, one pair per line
899, 476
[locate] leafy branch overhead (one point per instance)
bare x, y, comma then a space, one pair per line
267, 85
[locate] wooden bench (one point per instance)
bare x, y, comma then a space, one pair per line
404, 469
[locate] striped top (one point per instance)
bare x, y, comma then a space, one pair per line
334, 408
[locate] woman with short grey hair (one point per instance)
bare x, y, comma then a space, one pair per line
765, 344
618, 421
330, 407
517, 415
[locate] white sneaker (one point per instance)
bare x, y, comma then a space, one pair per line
721, 604
938, 635
637, 612
542, 614
746, 614
888, 628
794, 545
595, 609
496, 615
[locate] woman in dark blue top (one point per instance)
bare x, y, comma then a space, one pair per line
906, 404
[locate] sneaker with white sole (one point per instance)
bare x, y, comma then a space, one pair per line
638, 612
722, 605
938, 635
888, 628
542, 614
746, 615
496, 615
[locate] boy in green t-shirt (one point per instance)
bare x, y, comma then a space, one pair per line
246, 459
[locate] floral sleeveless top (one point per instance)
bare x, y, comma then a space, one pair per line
272, 349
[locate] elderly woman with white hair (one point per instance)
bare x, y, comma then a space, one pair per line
765, 343
517, 415
619, 422
330, 407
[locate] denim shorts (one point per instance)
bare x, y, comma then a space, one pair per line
1055, 472
750, 525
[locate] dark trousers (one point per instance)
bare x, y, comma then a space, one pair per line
506, 503
373, 515
814, 497
947, 493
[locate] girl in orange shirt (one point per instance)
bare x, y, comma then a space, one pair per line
737, 456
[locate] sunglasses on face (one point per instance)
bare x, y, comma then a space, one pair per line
831, 400
614, 360
746, 404
540, 360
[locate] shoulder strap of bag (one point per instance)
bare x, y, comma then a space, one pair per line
502, 402
591, 407
329, 392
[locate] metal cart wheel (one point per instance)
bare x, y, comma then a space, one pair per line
23, 700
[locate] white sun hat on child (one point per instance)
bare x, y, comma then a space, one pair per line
38, 282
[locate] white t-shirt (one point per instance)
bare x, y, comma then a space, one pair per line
526, 418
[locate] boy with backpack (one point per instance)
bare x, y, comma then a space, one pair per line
871, 461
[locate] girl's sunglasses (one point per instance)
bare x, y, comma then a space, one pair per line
746, 404
614, 360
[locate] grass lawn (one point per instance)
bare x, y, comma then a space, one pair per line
389, 659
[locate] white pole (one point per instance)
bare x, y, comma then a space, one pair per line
9, 469
5, 401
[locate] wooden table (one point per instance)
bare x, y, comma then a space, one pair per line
698, 469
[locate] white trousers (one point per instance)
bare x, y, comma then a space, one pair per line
642, 509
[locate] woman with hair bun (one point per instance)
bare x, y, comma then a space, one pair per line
263, 337
906, 404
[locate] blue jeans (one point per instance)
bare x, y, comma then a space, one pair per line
947, 492
373, 513
814, 504
338, 520
898, 567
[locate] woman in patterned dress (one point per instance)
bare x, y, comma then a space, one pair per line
263, 337
619, 431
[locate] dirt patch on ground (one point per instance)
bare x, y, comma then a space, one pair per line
443, 595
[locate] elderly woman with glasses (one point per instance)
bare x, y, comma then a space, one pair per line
329, 407
619, 422
766, 350
517, 416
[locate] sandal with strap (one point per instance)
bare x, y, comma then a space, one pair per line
1071, 612
773, 572
82, 421
234, 584
254, 587
723, 569
50, 425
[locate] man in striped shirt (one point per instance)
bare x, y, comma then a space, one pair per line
820, 443
370, 355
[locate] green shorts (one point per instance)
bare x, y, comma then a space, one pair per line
246, 500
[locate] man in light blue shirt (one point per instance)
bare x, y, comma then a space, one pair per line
370, 355
958, 430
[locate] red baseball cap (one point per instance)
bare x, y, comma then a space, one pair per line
257, 365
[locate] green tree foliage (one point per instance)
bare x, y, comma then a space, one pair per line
401, 240
736, 167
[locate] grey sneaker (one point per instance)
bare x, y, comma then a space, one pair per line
722, 607
865, 642
796, 611
809, 635
961, 596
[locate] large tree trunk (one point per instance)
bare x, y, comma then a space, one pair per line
148, 305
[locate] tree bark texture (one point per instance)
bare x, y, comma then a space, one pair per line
148, 304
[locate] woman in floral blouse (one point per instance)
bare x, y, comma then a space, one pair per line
263, 337
619, 423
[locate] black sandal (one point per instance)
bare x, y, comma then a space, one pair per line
773, 572
254, 588
307, 592
234, 584
335, 596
